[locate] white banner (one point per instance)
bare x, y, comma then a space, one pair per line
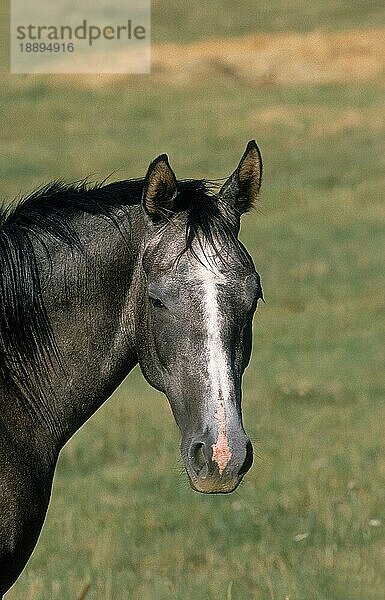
90, 36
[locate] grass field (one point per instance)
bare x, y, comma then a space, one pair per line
308, 522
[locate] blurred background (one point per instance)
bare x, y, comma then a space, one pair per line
306, 80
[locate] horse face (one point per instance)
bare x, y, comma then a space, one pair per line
199, 329
196, 325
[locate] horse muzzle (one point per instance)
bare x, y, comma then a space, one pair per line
217, 466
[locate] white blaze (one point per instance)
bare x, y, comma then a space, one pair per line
217, 363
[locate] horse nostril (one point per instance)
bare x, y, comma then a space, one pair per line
198, 458
248, 460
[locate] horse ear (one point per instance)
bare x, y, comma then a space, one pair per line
242, 187
159, 191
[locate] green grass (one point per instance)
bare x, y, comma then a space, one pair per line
223, 18
304, 525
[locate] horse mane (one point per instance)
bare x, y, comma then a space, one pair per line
27, 343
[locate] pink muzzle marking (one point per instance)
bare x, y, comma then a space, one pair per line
221, 449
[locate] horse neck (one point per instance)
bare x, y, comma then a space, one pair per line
90, 297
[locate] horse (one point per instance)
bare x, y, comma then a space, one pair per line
95, 279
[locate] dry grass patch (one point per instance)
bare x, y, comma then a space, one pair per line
285, 58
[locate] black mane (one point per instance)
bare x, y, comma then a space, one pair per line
27, 344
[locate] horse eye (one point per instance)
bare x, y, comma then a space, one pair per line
156, 303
